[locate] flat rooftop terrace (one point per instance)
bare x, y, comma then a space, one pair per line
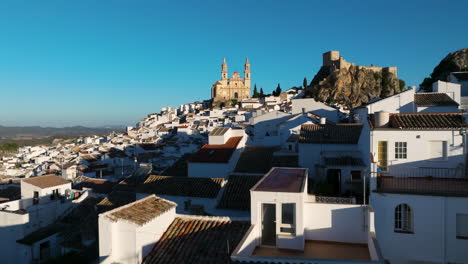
314, 249
283, 180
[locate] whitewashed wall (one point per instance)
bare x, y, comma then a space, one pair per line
434, 239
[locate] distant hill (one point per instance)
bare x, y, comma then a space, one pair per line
36, 132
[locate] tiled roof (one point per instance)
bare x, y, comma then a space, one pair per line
198, 240
182, 186
219, 131
98, 185
255, 160
141, 211
330, 134
116, 199
216, 153
427, 121
344, 161
178, 168
46, 181
433, 99
40, 234
236, 193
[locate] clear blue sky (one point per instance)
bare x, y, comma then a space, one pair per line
111, 62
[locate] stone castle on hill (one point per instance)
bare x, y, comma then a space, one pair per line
334, 61
235, 87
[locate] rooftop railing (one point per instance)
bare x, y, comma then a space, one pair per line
434, 172
423, 185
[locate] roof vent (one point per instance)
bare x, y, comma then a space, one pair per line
323, 120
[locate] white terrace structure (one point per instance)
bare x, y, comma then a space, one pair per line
419, 187
289, 226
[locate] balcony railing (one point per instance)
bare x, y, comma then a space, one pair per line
406, 171
423, 185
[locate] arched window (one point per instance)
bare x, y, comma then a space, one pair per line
403, 218
236, 95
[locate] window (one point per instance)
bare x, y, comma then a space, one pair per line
438, 150
288, 218
403, 219
462, 226
355, 175
35, 197
400, 150
382, 155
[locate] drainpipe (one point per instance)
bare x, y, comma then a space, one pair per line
444, 242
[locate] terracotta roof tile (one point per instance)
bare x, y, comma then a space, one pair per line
46, 181
198, 240
255, 160
182, 186
216, 153
236, 193
98, 185
141, 211
330, 133
427, 121
433, 99
116, 199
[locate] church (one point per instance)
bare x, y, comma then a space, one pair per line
234, 88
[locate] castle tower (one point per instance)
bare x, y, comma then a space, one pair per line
224, 70
247, 73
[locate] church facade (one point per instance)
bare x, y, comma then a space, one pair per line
235, 87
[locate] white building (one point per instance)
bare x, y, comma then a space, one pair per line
219, 157
42, 202
128, 233
288, 225
334, 156
317, 108
419, 187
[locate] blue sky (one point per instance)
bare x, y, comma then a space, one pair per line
111, 62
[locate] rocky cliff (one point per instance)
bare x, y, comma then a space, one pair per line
454, 62
353, 86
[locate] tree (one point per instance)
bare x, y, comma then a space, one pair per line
304, 83
278, 91
255, 92
261, 95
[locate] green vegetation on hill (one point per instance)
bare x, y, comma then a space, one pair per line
9, 147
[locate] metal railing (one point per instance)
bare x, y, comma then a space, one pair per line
406, 171
423, 185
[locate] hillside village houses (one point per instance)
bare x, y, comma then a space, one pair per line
280, 179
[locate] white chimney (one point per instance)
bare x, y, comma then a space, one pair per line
323, 120
381, 119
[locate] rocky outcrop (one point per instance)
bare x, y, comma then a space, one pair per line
351, 87
454, 62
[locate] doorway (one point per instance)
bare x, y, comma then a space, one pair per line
334, 179
269, 224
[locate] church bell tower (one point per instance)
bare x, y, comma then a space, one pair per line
247, 73
224, 70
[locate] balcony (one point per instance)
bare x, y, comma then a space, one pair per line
438, 186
